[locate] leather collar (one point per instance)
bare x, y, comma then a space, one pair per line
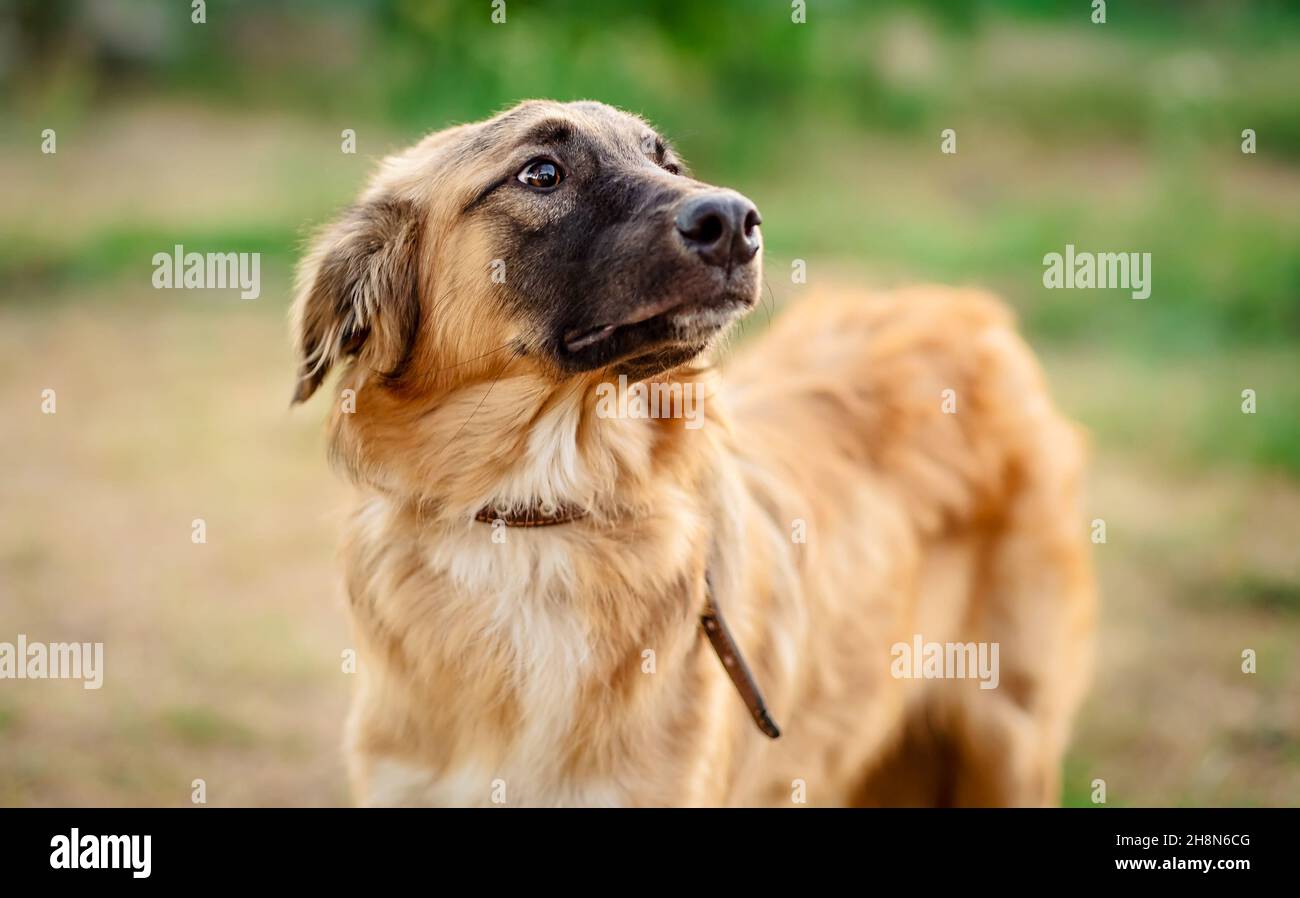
533, 516
711, 619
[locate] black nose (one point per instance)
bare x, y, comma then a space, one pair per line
721, 226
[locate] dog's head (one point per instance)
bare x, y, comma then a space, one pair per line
569, 234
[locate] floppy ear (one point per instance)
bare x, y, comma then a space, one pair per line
358, 292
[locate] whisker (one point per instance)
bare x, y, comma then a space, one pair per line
770, 304
473, 413
476, 358
505, 345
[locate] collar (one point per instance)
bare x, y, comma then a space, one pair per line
537, 515
711, 619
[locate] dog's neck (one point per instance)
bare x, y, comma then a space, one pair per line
519, 440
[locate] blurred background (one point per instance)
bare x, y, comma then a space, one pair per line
223, 658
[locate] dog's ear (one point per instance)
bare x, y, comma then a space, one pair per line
358, 292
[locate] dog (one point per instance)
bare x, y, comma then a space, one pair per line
558, 607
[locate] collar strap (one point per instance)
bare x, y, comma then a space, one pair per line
715, 626
724, 644
537, 515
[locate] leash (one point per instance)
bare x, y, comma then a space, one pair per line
724, 645
711, 619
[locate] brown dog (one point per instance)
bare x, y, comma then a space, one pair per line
880, 498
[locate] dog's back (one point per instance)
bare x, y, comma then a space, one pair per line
905, 448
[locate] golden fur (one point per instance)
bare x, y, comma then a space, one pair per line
565, 665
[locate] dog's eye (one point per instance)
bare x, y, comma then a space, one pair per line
672, 168
541, 174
